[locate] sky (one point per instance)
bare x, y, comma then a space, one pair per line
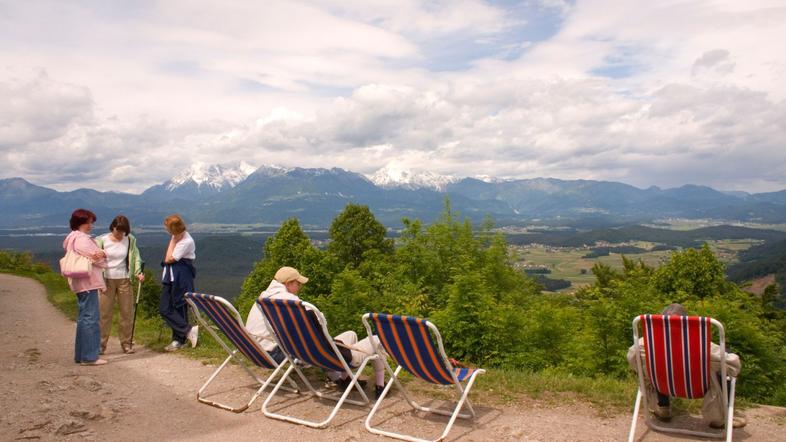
123, 95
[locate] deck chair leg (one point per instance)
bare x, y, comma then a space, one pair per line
340, 401
404, 392
240, 409
459, 404
635, 418
453, 415
730, 411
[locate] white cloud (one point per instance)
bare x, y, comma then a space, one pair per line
663, 93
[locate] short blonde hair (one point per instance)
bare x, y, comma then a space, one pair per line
174, 224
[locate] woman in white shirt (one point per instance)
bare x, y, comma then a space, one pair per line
176, 280
123, 263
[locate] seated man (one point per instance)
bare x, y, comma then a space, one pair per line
285, 285
712, 406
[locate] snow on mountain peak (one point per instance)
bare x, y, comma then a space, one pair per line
392, 176
216, 176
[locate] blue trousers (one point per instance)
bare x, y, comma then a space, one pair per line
88, 330
173, 309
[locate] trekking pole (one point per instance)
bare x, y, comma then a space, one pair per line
136, 305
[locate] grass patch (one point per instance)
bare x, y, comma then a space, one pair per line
557, 387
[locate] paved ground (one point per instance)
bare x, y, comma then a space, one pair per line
151, 395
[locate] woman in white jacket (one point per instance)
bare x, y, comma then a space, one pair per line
123, 264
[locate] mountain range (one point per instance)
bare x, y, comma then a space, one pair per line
240, 194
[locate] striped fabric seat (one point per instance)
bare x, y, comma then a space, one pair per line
408, 341
416, 346
677, 354
221, 316
463, 373
227, 319
300, 333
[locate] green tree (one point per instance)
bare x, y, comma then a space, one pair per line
691, 272
355, 232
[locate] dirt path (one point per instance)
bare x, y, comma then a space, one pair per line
151, 396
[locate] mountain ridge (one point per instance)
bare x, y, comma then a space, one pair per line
234, 194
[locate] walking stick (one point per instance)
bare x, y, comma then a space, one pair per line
136, 305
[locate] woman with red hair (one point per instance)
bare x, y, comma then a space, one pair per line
88, 332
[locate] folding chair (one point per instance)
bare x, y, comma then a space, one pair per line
301, 332
224, 315
677, 361
409, 341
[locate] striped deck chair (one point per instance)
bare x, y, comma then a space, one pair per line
301, 332
224, 315
677, 364
409, 342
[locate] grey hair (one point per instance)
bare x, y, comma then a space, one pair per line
675, 309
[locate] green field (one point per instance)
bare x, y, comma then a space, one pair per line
691, 224
568, 263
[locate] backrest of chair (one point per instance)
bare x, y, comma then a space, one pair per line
408, 340
300, 333
677, 354
224, 315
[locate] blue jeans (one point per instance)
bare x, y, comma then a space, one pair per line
88, 331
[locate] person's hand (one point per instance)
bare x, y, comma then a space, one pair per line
140, 277
98, 256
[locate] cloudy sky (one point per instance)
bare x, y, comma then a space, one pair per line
123, 95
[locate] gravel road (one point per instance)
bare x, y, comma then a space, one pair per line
151, 396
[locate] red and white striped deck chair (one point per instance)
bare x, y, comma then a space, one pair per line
677, 364
224, 315
408, 340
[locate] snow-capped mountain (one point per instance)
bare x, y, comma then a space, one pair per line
215, 176
392, 176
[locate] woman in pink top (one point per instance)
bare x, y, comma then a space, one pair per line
88, 332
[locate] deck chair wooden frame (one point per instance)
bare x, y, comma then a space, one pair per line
671, 373
408, 341
301, 332
227, 319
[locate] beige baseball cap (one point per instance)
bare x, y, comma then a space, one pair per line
287, 274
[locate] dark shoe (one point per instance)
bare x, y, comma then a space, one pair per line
662, 413
344, 383
378, 389
736, 422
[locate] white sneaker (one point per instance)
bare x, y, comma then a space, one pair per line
173, 346
193, 335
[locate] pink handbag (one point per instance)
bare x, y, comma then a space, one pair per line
74, 265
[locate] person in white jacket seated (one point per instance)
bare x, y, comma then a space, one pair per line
712, 406
285, 285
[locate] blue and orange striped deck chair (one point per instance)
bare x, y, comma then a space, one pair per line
301, 332
227, 319
677, 363
408, 340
